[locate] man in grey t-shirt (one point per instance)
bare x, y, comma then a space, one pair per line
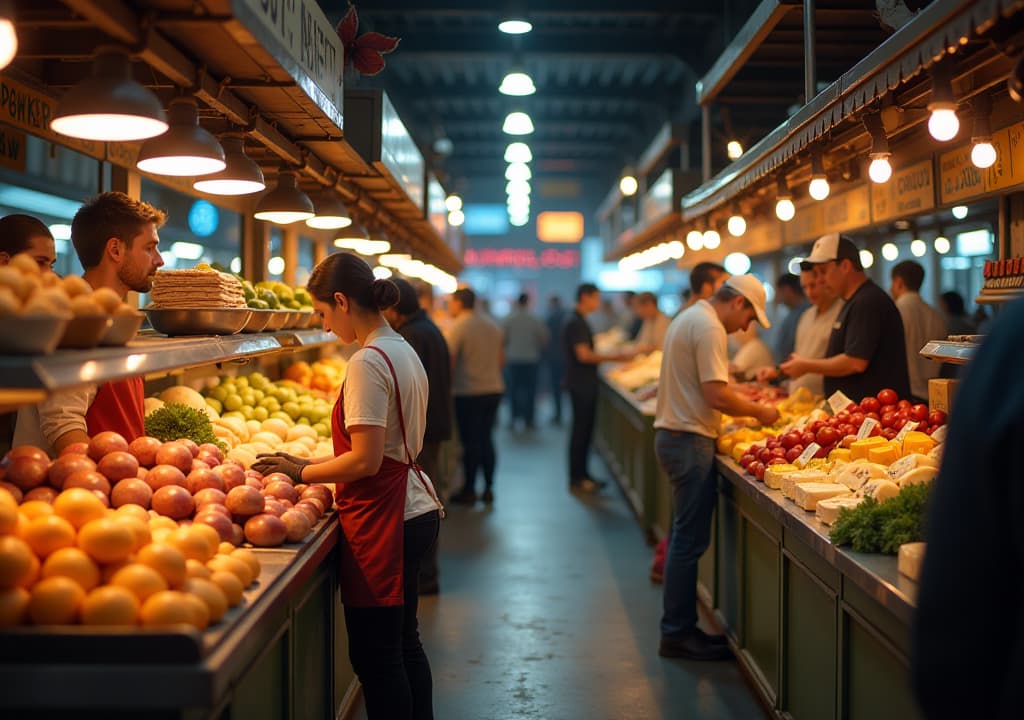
526, 336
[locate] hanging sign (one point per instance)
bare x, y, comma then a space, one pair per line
1008, 169
846, 211
12, 149
959, 179
26, 109
909, 191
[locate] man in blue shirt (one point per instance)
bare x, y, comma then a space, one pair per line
789, 293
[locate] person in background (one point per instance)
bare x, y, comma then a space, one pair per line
866, 351
26, 234
554, 361
788, 291
751, 355
526, 336
654, 323
812, 332
969, 664
957, 321
705, 279
582, 383
693, 393
630, 319
116, 240
475, 344
921, 323
412, 323
603, 318
982, 320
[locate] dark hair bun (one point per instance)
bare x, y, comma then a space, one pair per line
385, 294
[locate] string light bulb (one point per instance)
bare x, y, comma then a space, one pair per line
737, 224
819, 187
879, 170
983, 154
942, 245
734, 150
711, 239
695, 240
784, 208
628, 185
943, 125
866, 259
890, 252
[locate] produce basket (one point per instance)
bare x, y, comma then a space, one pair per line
84, 331
122, 329
278, 318
258, 321
32, 334
198, 321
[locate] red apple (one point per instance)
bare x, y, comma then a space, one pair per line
131, 491
144, 449
105, 443
118, 465
173, 501
67, 464
163, 475
175, 454
201, 479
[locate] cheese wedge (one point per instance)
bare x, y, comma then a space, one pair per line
808, 494
739, 449
910, 558
907, 463
773, 474
918, 476
855, 474
936, 452
789, 480
859, 448
840, 455
880, 490
917, 442
828, 510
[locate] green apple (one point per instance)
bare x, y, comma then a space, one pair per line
260, 413
232, 402
215, 404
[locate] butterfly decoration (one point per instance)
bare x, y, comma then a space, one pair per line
366, 52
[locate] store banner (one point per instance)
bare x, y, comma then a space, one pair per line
29, 110
12, 149
1008, 169
959, 179
910, 191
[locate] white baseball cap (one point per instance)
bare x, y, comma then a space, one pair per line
831, 247
751, 288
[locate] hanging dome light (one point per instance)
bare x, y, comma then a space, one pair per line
890, 252
695, 240
959, 211
240, 176
819, 187
515, 26
734, 150
331, 213
453, 203
943, 125
784, 208
109, 106
866, 259
517, 187
382, 273
518, 84
8, 36
352, 237
942, 245
185, 149
394, 260
518, 171
517, 123
518, 152
628, 185
737, 263
711, 239
286, 203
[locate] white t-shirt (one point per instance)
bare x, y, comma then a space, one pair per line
652, 332
752, 355
695, 352
921, 323
812, 333
370, 400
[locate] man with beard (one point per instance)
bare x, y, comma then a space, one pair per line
116, 241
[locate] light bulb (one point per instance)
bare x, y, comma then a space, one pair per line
628, 185
784, 209
737, 263
918, 248
382, 273
456, 218
695, 240
983, 155
8, 42
819, 188
517, 84
275, 266
518, 171
943, 125
734, 150
518, 152
880, 170
453, 203
676, 249
517, 187
959, 211
737, 226
711, 239
942, 245
866, 258
890, 252
517, 123
515, 26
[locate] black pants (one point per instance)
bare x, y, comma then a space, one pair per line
522, 390
429, 460
584, 413
556, 374
384, 642
475, 415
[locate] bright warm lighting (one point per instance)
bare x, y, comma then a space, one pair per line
559, 227
517, 123
413, 268
734, 150
942, 245
983, 155
518, 171
918, 248
711, 239
283, 217
517, 84
890, 252
518, 220
181, 165
236, 264
518, 152
329, 222
959, 212
880, 170
456, 218
737, 225
518, 204
517, 187
628, 185
60, 231
943, 125
8, 42
785, 210
515, 26
382, 273
394, 259
866, 258
695, 240
737, 263
275, 266
187, 250
676, 249
453, 203
819, 188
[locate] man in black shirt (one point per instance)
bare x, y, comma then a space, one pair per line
866, 350
413, 323
581, 381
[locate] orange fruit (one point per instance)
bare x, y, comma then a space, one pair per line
211, 536
48, 533
36, 508
162, 522
136, 511
19, 566
192, 544
8, 518
139, 528
74, 564
225, 548
106, 540
108, 570
141, 580
78, 506
195, 569
166, 560
230, 584
250, 559
166, 608
198, 609
110, 605
210, 593
232, 565
13, 606
55, 601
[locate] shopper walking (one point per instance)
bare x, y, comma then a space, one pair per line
475, 343
412, 323
526, 336
693, 393
554, 355
387, 506
582, 383
866, 352
921, 323
790, 293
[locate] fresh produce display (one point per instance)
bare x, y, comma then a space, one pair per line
267, 295
881, 527
324, 376
638, 373
173, 421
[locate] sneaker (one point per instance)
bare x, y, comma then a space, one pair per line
465, 496
694, 645
488, 496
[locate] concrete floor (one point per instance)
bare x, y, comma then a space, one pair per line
546, 611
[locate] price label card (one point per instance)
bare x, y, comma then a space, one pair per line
839, 401
807, 454
939, 435
904, 431
866, 428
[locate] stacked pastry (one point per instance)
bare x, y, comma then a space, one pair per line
196, 289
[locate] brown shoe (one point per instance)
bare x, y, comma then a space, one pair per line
694, 645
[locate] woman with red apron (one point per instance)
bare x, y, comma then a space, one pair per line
387, 507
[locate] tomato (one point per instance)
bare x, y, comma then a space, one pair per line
747, 459
887, 396
776, 461
903, 405
752, 468
874, 416
843, 416
887, 409
773, 443
847, 441
790, 439
888, 419
919, 412
815, 426
794, 452
822, 452
857, 419
852, 407
828, 436
759, 471
889, 433
763, 454
870, 404
777, 452
807, 438
899, 421
937, 418
848, 430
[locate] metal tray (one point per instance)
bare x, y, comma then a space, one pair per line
31, 334
278, 318
198, 321
258, 321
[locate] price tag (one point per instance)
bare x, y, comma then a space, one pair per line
801, 423
904, 431
939, 435
866, 428
807, 454
839, 401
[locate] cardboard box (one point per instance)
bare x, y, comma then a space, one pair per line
940, 394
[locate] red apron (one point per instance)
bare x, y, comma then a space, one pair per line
371, 511
118, 407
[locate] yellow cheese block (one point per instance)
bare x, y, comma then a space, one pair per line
884, 454
859, 448
808, 494
739, 449
773, 474
917, 442
841, 455
911, 556
790, 479
828, 510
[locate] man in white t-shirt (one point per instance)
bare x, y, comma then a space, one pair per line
655, 323
692, 395
921, 324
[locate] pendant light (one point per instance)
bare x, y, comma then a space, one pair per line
286, 203
518, 171
943, 125
517, 84
695, 240
453, 203
241, 176
711, 239
355, 237
983, 153
784, 208
109, 105
518, 152
517, 123
628, 185
185, 149
819, 187
737, 224
879, 170
8, 36
331, 213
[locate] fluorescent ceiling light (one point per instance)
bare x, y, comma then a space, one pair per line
517, 123
515, 26
517, 84
518, 152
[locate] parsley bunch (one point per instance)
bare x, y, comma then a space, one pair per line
882, 527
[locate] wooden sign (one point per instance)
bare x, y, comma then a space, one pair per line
909, 192
847, 210
29, 110
958, 178
1008, 169
12, 149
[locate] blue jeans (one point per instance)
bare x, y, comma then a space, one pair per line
522, 390
689, 461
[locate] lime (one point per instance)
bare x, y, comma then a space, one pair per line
283, 416
321, 429
219, 393
232, 402
258, 396
303, 421
215, 404
248, 397
241, 381
260, 413
293, 409
248, 412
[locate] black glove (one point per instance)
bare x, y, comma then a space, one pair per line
280, 463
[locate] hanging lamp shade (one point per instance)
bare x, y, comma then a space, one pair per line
241, 175
352, 237
8, 35
286, 203
185, 149
331, 213
109, 105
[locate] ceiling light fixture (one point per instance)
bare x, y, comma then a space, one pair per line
628, 185
517, 84
890, 252
819, 187
518, 152
866, 258
382, 273
918, 248
185, 149
518, 171
515, 26
784, 208
695, 240
737, 263
453, 203
240, 176
286, 203
737, 224
331, 213
519, 220
394, 260
353, 236
943, 125
942, 245
517, 123
959, 211
1015, 81
983, 154
8, 36
734, 150
517, 187
711, 239
879, 170
456, 218
676, 249
109, 105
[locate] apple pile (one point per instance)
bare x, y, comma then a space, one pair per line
188, 483
840, 430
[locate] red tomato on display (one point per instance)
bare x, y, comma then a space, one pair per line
903, 405
937, 418
891, 408
887, 396
746, 460
870, 404
919, 412
857, 419
828, 436
889, 433
888, 419
790, 439
794, 452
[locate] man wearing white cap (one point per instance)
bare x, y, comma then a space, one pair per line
692, 395
866, 350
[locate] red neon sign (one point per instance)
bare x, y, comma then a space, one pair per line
549, 258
